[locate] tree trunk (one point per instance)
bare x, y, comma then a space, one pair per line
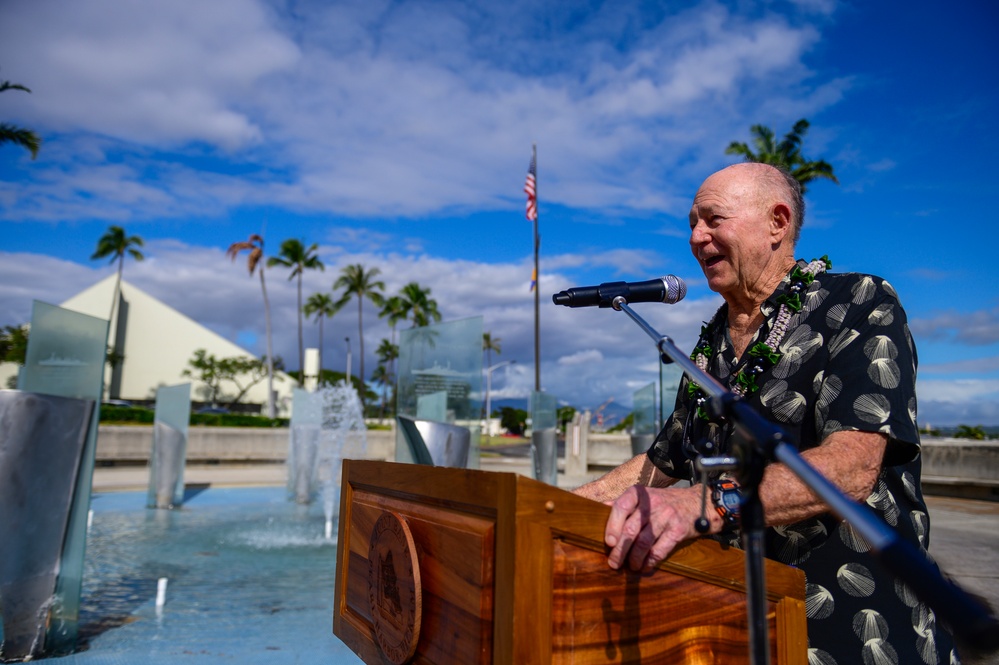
113, 326
360, 333
117, 290
301, 343
319, 378
271, 412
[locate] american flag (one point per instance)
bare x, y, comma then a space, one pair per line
531, 190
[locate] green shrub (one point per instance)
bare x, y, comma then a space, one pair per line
236, 420
134, 415
137, 415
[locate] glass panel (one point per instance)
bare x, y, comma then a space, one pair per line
65, 357
166, 464
644, 410
444, 359
42, 438
432, 406
303, 443
544, 438
544, 408
669, 383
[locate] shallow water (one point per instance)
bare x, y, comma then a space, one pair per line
250, 580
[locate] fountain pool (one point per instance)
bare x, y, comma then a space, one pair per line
249, 579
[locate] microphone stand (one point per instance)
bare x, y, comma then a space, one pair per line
762, 442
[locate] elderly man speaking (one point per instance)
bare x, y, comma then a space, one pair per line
828, 357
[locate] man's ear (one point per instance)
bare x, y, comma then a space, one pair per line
780, 221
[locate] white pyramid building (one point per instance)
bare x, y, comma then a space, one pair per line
157, 341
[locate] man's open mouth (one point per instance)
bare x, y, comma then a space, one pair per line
713, 261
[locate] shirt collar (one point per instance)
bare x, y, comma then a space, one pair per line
770, 305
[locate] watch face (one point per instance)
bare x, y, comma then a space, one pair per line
731, 500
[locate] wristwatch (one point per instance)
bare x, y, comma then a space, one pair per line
727, 497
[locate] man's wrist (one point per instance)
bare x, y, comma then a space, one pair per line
726, 497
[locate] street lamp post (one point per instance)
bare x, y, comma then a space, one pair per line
489, 385
347, 339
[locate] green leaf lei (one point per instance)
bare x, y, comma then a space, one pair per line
763, 355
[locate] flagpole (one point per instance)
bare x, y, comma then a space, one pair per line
537, 288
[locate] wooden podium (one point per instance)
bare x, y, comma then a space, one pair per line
443, 565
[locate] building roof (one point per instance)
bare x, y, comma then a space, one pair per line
157, 342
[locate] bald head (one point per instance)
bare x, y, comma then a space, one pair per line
769, 186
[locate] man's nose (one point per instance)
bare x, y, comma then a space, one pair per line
698, 235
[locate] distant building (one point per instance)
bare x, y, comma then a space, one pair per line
157, 341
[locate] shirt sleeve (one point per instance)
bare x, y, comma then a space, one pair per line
869, 382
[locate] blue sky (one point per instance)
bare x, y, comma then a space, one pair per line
397, 135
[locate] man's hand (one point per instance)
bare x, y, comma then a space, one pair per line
647, 523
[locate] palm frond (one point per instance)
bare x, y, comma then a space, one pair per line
7, 85
19, 136
255, 246
785, 154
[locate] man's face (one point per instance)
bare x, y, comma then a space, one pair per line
730, 233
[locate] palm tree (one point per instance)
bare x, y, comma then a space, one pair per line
116, 244
785, 154
18, 135
355, 281
387, 353
418, 305
393, 309
383, 376
489, 345
255, 246
296, 256
322, 305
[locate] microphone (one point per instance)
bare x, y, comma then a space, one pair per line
669, 289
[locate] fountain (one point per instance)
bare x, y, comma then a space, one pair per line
236, 574
327, 426
233, 574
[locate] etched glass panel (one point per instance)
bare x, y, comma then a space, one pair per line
65, 357
445, 358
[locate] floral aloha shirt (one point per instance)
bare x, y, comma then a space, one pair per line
848, 363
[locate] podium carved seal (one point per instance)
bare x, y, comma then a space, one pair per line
394, 592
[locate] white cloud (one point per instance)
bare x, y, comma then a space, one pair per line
957, 391
582, 357
980, 327
380, 108
29, 277
949, 402
588, 354
155, 73
881, 165
380, 115
974, 366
